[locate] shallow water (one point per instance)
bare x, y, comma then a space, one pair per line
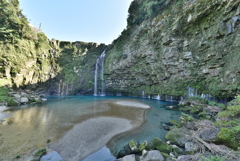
30, 127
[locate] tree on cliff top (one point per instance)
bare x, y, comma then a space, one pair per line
13, 24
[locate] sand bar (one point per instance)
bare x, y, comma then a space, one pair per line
132, 104
89, 136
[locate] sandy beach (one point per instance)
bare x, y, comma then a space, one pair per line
132, 104
91, 135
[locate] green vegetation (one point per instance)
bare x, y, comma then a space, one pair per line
40, 153
228, 120
161, 146
3, 93
48, 140
186, 118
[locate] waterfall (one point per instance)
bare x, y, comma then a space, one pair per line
143, 94
95, 78
102, 73
192, 92
157, 97
101, 59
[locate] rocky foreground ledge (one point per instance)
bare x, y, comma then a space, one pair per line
212, 135
10, 97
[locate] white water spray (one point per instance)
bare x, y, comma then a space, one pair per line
101, 58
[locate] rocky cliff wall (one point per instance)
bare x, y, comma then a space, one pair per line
76, 68
28, 60
171, 45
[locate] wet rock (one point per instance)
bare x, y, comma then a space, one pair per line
153, 155
52, 156
124, 151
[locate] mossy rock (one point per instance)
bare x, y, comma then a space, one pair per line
146, 146
165, 155
178, 135
161, 146
32, 100
11, 102
175, 122
133, 146
186, 118
228, 137
177, 150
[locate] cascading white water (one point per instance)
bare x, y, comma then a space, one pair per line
102, 72
192, 92
101, 58
95, 78
157, 97
143, 94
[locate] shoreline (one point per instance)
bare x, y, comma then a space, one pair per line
91, 135
4, 115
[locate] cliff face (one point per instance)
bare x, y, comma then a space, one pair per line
26, 57
171, 45
76, 63
29, 60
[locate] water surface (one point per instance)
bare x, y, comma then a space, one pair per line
30, 127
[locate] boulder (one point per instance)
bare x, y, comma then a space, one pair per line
161, 146
209, 135
191, 147
24, 100
179, 136
12, 102
17, 97
124, 151
146, 146
177, 150
129, 158
133, 146
153, 155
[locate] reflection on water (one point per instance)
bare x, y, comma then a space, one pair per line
30, 127
150, 129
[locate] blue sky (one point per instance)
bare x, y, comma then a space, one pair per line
99, 21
